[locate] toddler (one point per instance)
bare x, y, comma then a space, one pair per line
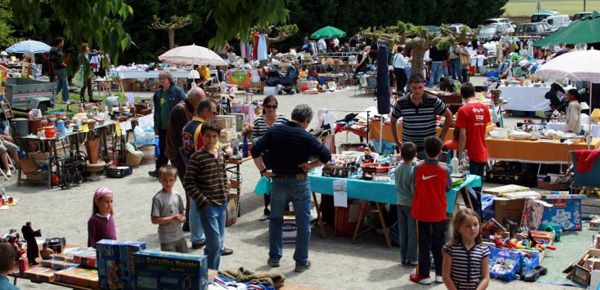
168, 212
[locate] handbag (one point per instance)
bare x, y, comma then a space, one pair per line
263, 186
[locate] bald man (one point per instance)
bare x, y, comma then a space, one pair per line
181, 114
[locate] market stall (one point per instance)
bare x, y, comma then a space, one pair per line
538, 151
521, 98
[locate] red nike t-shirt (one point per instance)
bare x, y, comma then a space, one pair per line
431, 182
474, 117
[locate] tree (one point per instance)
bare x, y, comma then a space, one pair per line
418, 39
234, 17
175, 23
98, 22
283, 31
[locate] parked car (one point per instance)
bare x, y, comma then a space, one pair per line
537, 17
494, 31
533, 29
433, 29
456, 27
557, 22
580, 15
497, 20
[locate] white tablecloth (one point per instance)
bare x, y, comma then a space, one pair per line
140, 74
525, 98
560, 126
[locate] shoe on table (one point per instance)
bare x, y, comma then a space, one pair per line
263, 218
300, 269
420, 279
199, 245
153, 173
226, 251
273, 263
439, 279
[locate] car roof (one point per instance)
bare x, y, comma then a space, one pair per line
497, 18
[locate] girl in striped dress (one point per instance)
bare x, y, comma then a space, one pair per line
466, 258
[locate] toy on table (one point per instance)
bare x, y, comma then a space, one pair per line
46, 252
32, 247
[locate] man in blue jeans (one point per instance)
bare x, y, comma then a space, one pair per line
290, 149
58, 63
438, 58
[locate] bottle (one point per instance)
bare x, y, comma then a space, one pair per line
245, 146
454, 163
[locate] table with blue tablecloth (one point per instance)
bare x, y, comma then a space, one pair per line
381, 192
378, 192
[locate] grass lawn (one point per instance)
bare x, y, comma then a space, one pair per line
569, 7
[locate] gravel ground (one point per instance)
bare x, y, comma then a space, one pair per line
337, 262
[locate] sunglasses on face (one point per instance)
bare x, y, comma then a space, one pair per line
271, 107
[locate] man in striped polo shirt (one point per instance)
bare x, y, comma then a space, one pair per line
419, 110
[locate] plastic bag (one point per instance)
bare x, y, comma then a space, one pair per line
143, 136
263, 186
78, 79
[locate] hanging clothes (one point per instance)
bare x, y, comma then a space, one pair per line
255, 37
262, 47
243, 49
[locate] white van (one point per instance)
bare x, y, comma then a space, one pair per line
557, 21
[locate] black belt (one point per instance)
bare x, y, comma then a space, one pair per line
300, 176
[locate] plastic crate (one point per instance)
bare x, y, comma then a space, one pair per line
118, 172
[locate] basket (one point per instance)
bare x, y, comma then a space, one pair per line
118, 172
133, 160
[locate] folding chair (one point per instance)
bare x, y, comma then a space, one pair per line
587, 182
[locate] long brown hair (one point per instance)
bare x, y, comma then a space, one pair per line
457, 221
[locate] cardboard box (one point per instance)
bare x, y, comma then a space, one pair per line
40, 274
57, 265
508, 208
77, 276
505, 189
114, 263
580, 269
533, 213
167, 270
227, 135
85, 257
566, 210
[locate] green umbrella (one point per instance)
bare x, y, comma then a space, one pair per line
586, 30
328, 32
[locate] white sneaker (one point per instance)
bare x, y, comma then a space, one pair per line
263, 218
8, 173
439, 279
66, 102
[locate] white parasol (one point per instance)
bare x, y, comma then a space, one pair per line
577, 65
192, 55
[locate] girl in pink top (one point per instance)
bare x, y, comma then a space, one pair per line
101, 224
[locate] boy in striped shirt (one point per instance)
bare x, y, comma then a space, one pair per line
206, 183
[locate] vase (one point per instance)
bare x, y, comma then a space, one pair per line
91, 146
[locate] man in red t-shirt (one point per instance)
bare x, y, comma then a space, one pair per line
472, 120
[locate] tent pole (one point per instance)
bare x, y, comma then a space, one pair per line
590, 119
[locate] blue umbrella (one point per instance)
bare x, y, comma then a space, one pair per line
28, 46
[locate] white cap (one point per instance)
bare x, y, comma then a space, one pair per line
3, 53
193, 74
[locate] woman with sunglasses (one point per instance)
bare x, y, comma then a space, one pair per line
262, 124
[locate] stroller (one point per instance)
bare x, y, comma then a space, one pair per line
287, 81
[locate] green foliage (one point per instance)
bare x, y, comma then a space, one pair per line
235, 17
98, 22
6, 28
